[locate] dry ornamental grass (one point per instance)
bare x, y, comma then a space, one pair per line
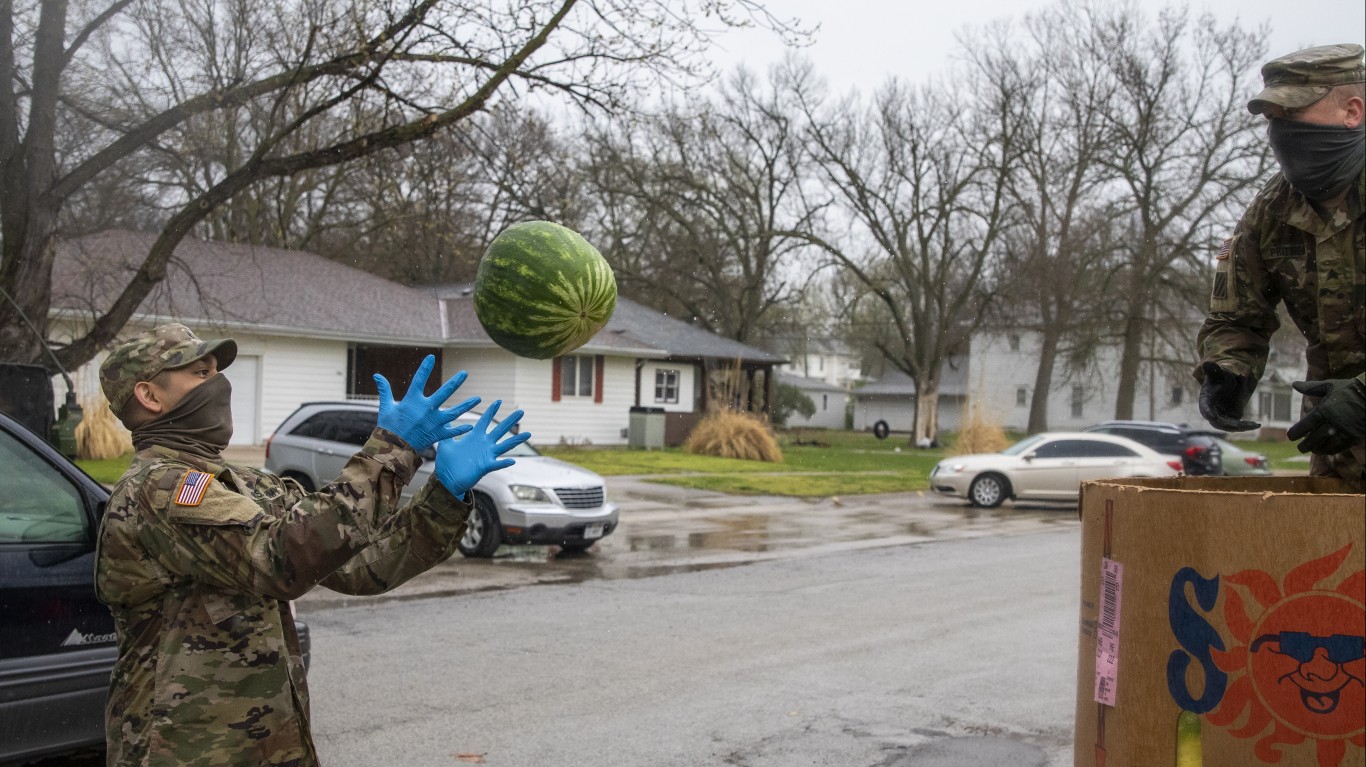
980, 434
728, 434
99, 435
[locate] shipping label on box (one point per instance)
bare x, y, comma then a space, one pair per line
1241, 600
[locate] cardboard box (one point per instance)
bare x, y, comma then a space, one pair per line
1240, 599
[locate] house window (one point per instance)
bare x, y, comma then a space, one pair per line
1178, 393
666, 386
825, 402
576, 376
1021, 396
1014, 342
1274, 405
1078, 397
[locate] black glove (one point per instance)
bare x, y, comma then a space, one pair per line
1222, 397
1338, 422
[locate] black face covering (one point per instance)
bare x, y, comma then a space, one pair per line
201, 423
1320, 161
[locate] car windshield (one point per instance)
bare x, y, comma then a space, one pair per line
1023, 445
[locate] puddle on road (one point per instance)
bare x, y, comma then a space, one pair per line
705, 540
686, 542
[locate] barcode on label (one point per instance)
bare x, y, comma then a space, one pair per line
1107, 632
1111, 573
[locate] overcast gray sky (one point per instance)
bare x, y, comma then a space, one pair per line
862, 42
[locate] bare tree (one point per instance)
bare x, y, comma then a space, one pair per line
718, 184
922, 178
1053, 261
424, 213
300, 85
1184, 149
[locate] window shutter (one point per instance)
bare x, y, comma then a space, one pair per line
556, 373
598, 364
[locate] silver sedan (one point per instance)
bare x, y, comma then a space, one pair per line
1047, 467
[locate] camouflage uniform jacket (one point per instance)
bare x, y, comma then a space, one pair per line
1283, 251
210, 670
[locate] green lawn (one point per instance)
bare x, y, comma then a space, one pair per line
848, 464
815, 464
108, 470
843, 463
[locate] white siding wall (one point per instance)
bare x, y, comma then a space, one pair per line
834, 369
996, 372
294, 371
899, 412
525, 383
492, 375
829, 411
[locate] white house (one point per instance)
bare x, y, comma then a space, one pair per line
311, 329
831, 403
998, 375
820, 358
891, 400
1002, 366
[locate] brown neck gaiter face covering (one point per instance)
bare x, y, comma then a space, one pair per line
200, 424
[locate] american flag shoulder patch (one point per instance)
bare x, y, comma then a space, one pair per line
192, 488
1224, 250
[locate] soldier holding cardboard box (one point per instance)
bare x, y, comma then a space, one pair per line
1302, 242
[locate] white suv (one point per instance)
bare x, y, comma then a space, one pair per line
538, 500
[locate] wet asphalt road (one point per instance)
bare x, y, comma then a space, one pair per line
665, 529
875, 631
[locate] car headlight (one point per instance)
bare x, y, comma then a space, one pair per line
949, 468
529, 493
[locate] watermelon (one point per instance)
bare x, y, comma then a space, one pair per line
542, 290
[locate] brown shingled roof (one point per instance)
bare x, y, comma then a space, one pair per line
246, 286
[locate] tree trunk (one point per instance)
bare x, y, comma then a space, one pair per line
1043, 381
23, 331
926, 411
1130, 360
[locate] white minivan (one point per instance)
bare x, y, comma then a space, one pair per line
538, 500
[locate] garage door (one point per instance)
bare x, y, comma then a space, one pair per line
244, 373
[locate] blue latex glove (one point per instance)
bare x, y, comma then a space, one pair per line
461, 463
419, 420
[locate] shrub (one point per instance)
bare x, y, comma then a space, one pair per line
99, 435
788, 399
730, 434
980, 434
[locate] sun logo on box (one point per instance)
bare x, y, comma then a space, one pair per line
1296, 666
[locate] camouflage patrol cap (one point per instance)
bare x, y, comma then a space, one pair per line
165, 347
1301, 78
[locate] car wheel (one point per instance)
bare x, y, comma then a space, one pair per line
484, 532
988, 491
302, 479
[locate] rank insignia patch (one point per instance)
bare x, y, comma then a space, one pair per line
192, 488
1220, 286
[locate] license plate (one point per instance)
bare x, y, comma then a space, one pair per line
592, 531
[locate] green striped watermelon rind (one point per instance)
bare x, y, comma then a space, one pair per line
542, 290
